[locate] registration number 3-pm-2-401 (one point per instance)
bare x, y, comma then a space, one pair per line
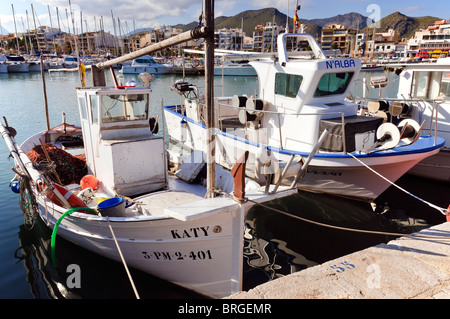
192, 255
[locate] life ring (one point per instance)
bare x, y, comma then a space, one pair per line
72, 199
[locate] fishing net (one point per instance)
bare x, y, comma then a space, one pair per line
69, 168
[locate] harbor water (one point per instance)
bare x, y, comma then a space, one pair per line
275, 244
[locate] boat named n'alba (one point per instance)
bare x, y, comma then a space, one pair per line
301, 94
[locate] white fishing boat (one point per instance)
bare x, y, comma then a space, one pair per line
163, 226
423, 96
52, 62
301, 94
70, 61
146, 64
368, 67
235, 68
125, 206
16, 64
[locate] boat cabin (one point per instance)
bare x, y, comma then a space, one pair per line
144, 60
305, 87
426, 80
121, 150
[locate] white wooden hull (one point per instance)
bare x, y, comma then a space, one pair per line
194, 255
332, 173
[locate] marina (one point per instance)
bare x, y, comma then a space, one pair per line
408, 213
223, 195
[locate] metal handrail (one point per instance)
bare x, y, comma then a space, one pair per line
434, 113
344, 147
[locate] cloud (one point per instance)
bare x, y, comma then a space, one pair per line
143, 12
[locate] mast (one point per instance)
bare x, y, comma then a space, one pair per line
208, 15
29, 35
24, 36
15, 27
35, 28
51, 27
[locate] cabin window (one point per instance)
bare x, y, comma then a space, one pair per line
421, 84
82, 104
94, 108
445, 86
333, 83
287, 84
119, 108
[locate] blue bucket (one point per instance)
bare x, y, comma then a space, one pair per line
113, 207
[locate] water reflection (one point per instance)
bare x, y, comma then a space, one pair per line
100, 278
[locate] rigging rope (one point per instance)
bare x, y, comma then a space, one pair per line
444, 211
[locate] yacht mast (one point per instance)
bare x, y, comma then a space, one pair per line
15, 27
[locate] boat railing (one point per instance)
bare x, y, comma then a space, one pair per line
279, 115
435, 103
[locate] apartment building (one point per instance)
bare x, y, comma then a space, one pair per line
265, 37
337, 36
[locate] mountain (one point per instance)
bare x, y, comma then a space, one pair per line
349, 20
250, 18
404, 25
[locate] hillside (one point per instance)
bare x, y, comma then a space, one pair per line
349, 20
404, 25
250, 18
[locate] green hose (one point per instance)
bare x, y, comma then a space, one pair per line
55, 229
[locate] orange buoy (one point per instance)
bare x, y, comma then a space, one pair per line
448, 213
89, 181
72, 199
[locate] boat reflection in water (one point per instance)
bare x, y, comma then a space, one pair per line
276, 245
100, 278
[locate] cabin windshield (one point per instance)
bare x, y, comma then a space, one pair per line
145, 61
333, 83
127, 107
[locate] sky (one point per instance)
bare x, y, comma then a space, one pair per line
154, 13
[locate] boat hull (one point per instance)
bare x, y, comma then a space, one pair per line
3, 68
332, 173
149, 69
436, 167
18, 68
236, 71
196, 255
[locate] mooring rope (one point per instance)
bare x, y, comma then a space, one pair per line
123, 260
444, 211
346, 228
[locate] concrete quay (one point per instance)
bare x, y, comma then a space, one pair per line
404, 268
